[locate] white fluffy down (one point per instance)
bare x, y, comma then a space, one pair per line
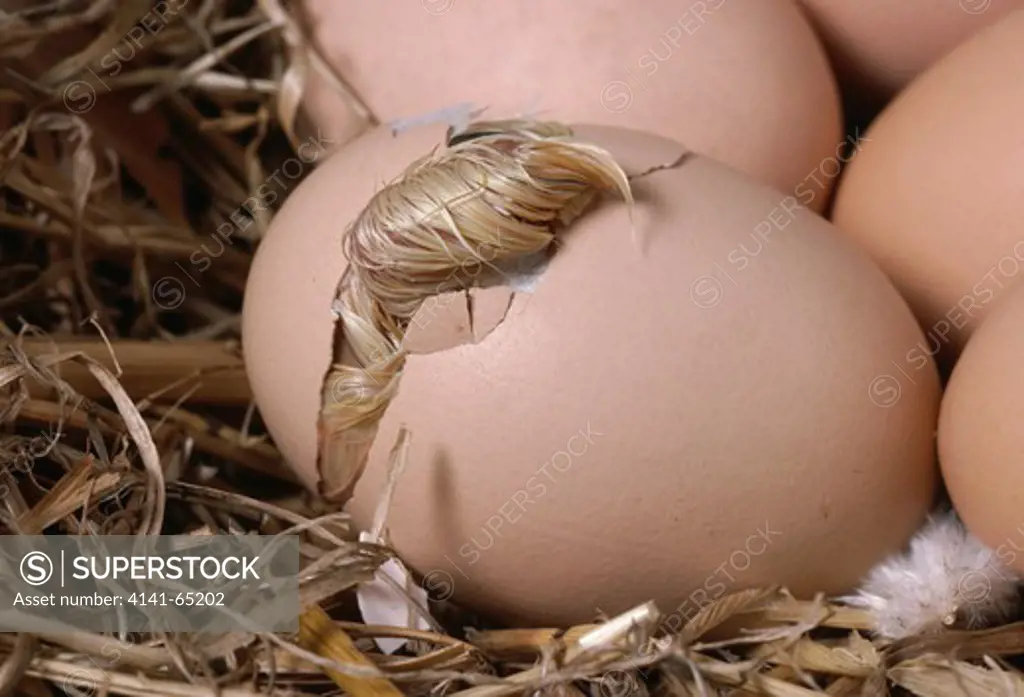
947, 578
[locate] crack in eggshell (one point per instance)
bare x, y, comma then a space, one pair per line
460, 317
466, 317
675, 164
640, 159
457, 318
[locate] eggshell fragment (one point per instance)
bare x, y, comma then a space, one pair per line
669, 415
934, 194
454, 318
980, 428
743, 81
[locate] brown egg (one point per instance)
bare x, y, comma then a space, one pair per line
982, 418
743, 81
705, 407
879, 45
934, 193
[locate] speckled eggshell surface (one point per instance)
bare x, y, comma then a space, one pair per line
934, 194
704, 408
881, 45
980, 429
744, 81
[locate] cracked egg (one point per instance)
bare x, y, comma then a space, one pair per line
667, 396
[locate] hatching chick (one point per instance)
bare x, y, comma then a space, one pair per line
946, 579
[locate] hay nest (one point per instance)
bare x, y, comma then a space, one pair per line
126, 409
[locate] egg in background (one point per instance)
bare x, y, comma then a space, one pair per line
879, 46
934, 193
980, 428
702, 410
743, 81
